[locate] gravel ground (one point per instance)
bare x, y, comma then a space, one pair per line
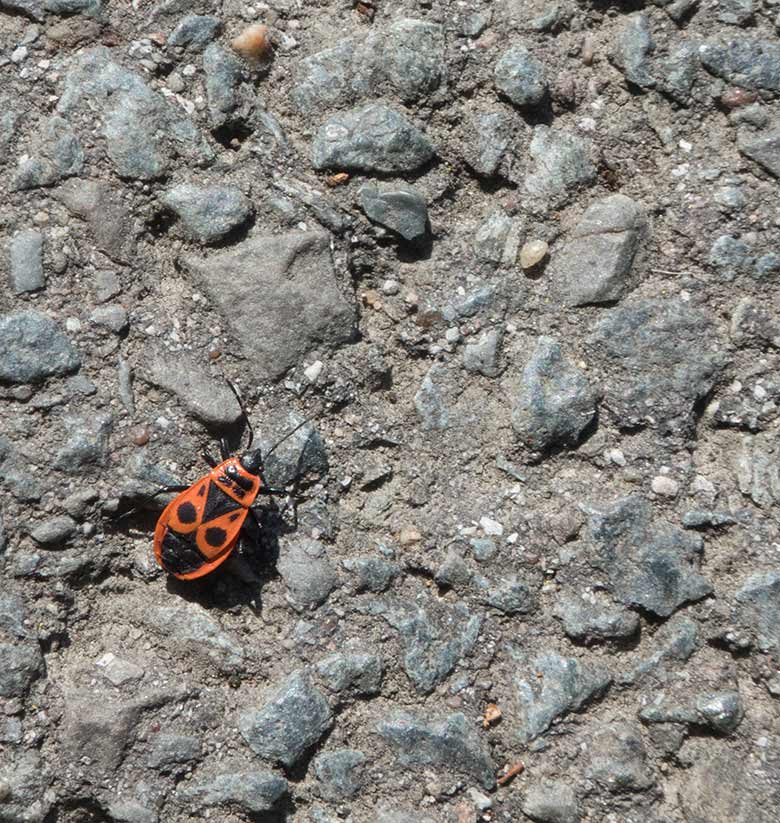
519, 263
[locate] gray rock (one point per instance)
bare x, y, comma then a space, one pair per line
340, 773
117, 671
15, 474
429, 403
373, 573
295, 718
482, 357
548, 686
510, 595
618, 760
27, 261
326, 78
24, 779
487, 138
677, 640
9, 119
560, 162
170, 752
106, 285
758, 608
451, 743
706, 518
735, 12
595, 264
435, 638
208, 213
730, 256
143, 131
359, 672
632, 50
551, 801
484, 548
21, 664
758, 472
747, 62
32, 348
763, 148
663, 356
397, 207
753, 325
676, 74
299, 454
490, 241
209, 399
91, 8
112, 317
195, 31
767, 266
197, 632
54, 531
475, 302
224, 73
720, 711
281, 297
253, 791
555, 403
371, 139
454, 571
650, 563
57, 154
109, 220
29, 8
85, 443
521, 77
594, 617
130, 811
308, 575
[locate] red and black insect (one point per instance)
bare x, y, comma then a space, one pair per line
199, 528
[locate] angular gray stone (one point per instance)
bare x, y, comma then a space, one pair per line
435, 638
650, 563
208, 213
748, 62
27, 261
429, 403
452, 744
300, 450
85, 443
359, 672
592, 616
676, 641
198, 633
21, 664
15, 475
397, 207
521, 77
720, 711
663, 356
618, 760
295, 718
551, 801
339, 773
143, 131
676, 74
24, 778
595, 263
54, 531
91, 8
373, 573
758, 472
735, 12
280, 296
371, 139
224, 73
208, 398
555, 403
112, 317
252, 791
730, 256
763, 147
482, 356
308, 575
509, 595
32, 348
753, 324
326, 78
486, 141
171, 752
490, 240
101, 206
130, 811
548, 686
631, 53
758, 608
57, 153
195, 32
560, 162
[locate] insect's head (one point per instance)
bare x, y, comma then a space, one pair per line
252, 461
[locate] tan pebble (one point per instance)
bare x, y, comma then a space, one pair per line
532, 253
665, 486
253, 43
409, 535
140, 435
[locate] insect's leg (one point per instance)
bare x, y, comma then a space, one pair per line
272, 490
224, 449
240, 399
177, 487
209, 459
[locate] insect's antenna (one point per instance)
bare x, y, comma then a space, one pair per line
240, 399
292, 431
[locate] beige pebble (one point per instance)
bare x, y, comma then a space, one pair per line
253, 43
532, 253
409, 536
665, 486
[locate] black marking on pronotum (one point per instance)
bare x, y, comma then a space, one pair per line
187, 513
215, 536
180, 554
218, 503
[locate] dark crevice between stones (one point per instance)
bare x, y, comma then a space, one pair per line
236, 235
160, 223
426, 574
232, 135
722, 645
77, 810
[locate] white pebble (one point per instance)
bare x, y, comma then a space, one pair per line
391, 287
665, 486
314, 371
491, 527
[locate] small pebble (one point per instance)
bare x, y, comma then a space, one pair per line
532, 253
253, 43
140, 435
665, 486
314, 371
390, 287
492, 528
409, 536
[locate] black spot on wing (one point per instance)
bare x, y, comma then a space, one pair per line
202, 490
218, 503
234, 517
187, 513
179, 554
215, 536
